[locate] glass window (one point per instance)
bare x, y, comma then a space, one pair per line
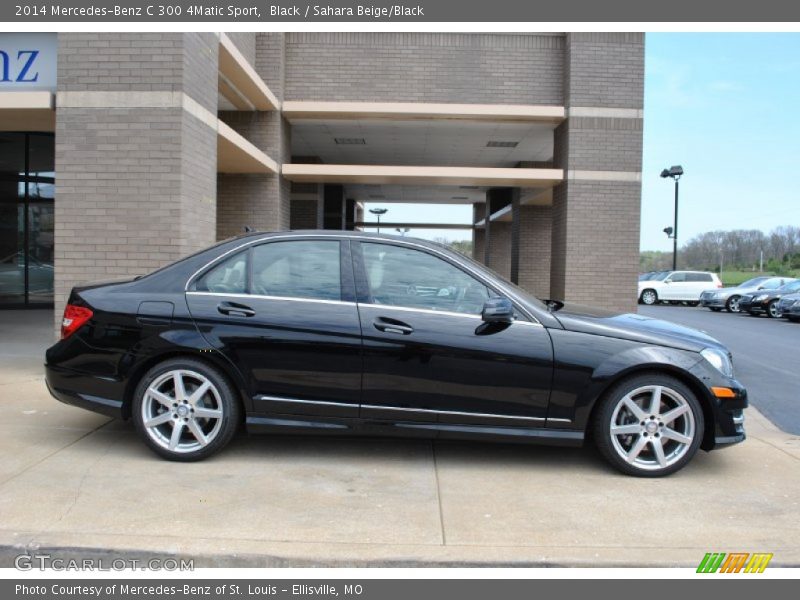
298, 269
706, 277
678, 277
410, 278
791, 288
774, 283
228, 277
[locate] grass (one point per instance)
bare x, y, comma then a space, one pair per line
730, 278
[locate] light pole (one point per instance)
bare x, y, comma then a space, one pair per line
675, 173
378, 212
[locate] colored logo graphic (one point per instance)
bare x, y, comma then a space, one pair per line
734, 562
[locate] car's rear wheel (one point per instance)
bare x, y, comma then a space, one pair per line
773, 312
649, 297
732, 305
649, 425
185, 410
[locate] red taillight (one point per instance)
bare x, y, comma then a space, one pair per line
74, 318
719, 285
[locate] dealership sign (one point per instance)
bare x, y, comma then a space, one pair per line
28, 61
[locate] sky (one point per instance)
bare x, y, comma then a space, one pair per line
724, 106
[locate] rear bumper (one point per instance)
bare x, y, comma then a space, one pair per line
84, 391
713, 302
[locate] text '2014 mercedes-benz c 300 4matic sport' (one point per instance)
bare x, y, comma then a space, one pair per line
354, 333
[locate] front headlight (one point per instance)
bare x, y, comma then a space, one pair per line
719, 360
760, 298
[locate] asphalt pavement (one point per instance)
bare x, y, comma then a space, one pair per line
766, 356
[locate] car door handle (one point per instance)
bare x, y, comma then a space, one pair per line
234, 309
392, 326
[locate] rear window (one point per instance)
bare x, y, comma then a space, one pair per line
699, 277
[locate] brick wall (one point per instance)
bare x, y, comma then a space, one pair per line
304, 214
534, 249
605, 69
135, 186
245, 41
425, 67
500, 249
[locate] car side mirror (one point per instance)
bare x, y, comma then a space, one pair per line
668, 281
498, 310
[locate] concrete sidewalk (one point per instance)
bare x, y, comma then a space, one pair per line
73, 484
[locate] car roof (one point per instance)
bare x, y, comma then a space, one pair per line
337, 233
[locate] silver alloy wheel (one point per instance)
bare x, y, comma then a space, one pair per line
773, 309
652, 427
182, 411
733, 304
649, 297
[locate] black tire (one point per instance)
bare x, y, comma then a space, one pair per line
220, 396
694, 303
772, 310
714, 309
673, 390
732, 305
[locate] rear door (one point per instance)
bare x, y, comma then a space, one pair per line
699, 283
284, 313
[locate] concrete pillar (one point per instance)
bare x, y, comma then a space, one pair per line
596, 211
136, 184
478, 235
497, 240
535, 223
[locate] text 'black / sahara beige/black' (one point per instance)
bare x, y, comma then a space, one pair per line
329, 332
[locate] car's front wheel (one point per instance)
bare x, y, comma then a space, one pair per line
732, 305
185, 410
649, 425
773, 311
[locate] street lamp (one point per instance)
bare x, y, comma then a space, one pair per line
675, 173
378, 212
402, 231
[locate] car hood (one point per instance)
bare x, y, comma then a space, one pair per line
633, 327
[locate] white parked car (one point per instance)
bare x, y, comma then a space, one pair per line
677, 286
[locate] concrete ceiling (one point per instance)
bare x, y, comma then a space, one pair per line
422, 142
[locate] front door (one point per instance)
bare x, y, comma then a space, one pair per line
284, 313
428, 356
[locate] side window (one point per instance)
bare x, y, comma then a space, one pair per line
413, 279
706, 277
228, 277
298, 269
771, 284
678, 277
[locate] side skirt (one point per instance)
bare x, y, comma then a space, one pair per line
300, 424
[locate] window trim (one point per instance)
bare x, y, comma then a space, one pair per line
346, 284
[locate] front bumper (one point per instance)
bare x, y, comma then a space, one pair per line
725, 416
100, 395
789, 310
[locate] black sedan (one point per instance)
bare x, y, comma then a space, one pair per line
353, 333
789, 306
767, 302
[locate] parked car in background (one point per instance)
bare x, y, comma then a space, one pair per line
728, 298
677, 286
347, 332
766, 302
789, 307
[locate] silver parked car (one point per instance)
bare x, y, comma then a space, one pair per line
728, 298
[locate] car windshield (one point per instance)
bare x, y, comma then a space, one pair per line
753, 282
790, 288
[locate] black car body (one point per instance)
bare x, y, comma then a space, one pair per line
344, 332
789, 306
767, 302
